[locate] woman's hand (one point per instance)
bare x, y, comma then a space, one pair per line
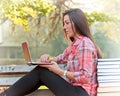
44, 58
54, 68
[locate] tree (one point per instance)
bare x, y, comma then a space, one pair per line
40, 19
21, 11
29, 13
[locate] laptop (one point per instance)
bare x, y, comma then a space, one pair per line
27, 55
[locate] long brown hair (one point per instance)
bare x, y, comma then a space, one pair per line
81, 25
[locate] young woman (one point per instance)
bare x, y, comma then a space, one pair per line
80, 58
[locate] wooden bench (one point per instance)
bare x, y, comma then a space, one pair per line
108, 77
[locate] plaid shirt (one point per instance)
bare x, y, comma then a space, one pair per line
81, 58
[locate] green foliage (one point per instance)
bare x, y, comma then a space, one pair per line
22, 10
107, 38
109, 47
97, 17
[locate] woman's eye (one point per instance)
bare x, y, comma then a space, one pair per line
67, 23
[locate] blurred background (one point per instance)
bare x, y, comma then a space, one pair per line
39, 23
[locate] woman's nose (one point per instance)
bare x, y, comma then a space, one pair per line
64, 27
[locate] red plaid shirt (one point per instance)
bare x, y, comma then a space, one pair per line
81, 58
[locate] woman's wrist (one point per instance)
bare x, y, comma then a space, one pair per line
65, 73
60, 72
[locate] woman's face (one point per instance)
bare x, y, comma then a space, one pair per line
68, 27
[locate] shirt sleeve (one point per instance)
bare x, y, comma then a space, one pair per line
86, 69
62, 58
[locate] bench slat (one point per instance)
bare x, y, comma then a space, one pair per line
110, 84
107, 74
15, 69
109, 70
12, 73
107, 66
109, 60
7, 81
108, 89
108, 63
108, 81
109, 77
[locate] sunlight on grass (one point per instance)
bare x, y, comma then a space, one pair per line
43, 87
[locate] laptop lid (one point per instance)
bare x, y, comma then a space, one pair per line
26, 52
27, 55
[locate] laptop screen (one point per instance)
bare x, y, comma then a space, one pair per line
27, 56
26, 52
